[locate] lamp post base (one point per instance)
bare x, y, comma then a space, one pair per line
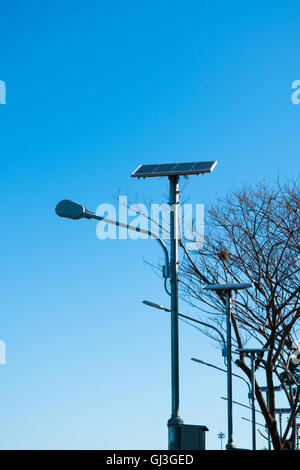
174, 433
230, 446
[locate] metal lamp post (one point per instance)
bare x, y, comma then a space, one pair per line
173, 171
227, 290
175, 419
253, 352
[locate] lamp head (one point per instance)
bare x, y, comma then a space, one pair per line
72, 210
228, 287
152, 304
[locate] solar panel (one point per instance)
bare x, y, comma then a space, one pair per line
218, 287
174, 169
184, 166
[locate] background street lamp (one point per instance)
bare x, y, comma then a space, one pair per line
227, 290
280, 412
266, 390
261, 425
258, 424
241, 404
221, 436
253, 352
181, 316
222, 370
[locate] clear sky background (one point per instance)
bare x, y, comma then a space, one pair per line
95, 88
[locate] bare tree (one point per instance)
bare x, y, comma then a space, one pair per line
252, 234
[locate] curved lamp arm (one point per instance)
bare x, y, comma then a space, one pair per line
222, 370
166, 268
71, 210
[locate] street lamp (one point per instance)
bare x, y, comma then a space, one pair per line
266, 390
258, 424
180, 315
241, 404
222, 370
227, 290
280, 412
173, 171
221, 436
253, 352
262, 425
161, 307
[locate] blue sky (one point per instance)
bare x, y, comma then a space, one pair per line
95, 88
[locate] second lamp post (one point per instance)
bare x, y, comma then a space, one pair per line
227, 289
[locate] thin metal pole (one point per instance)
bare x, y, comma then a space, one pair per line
221, 436
253, 400
280, 424
230, 444
175, 421
269, 437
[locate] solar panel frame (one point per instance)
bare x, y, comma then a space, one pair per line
174, 169
146, 167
